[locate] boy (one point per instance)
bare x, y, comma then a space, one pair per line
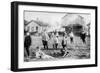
27, 43
56, 42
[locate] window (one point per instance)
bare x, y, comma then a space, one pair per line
32, 29
36, 28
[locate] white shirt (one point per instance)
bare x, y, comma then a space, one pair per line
56, 40
71, 34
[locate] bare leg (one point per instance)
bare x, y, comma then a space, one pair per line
66, 52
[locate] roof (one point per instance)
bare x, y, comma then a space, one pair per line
71, 19
40, 23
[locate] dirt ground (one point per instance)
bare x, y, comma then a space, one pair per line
77, 49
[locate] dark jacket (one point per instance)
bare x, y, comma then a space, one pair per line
27, 41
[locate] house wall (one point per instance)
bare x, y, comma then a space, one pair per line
32, 27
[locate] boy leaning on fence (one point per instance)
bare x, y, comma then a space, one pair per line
45, 38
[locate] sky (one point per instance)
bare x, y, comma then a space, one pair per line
53, 18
